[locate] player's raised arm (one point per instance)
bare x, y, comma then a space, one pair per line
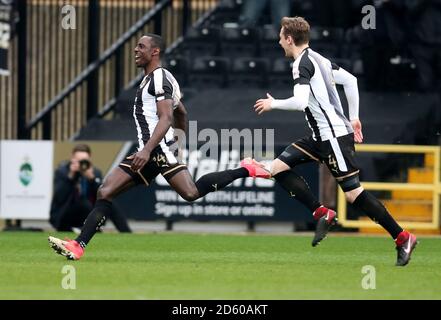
296, 103
350, 86
303, 71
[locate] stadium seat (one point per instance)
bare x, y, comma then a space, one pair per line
237, 42
281, 73
269, 43
403, 72
209, 72
327, 41
357, 68
248, 72
223, 18
343, 63
179, 67
228, 11
201, 41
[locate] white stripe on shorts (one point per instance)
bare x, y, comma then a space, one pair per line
339, 156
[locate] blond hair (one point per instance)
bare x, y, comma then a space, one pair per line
296, 27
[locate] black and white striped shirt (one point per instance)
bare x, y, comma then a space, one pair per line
315, 93
156, 86
324, 112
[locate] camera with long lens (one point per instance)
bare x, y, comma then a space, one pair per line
84, 165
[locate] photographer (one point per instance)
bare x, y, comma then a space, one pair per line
75, 186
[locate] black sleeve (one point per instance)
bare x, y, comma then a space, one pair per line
305, 71
160, 86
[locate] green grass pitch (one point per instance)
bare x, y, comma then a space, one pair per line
198, 266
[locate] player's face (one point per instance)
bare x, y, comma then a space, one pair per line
284, 43
143, 52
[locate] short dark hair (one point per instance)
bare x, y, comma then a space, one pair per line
82, 147
157, 42
296, 27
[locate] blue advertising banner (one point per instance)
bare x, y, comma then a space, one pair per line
243, 200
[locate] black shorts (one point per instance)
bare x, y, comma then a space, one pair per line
159, 163
338, 154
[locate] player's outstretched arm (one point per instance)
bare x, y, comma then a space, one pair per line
298, 102
165, 114
263, 105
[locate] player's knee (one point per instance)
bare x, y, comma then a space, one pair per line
351, 187
190, 195
353, 194
104, 193
278, 166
